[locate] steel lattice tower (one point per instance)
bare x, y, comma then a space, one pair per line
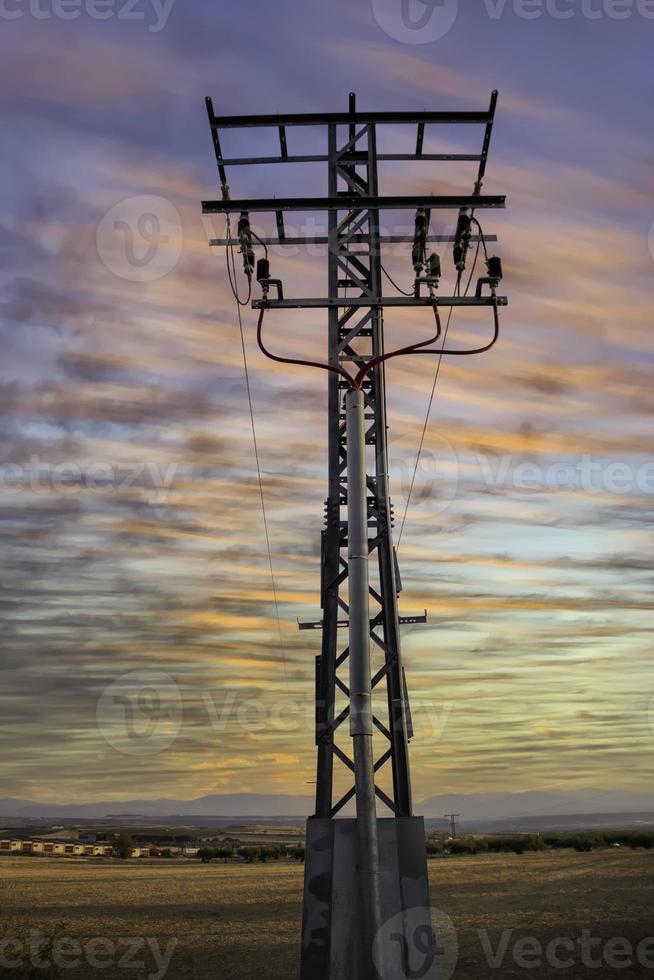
355, 334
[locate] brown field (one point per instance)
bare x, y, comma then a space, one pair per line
242, 922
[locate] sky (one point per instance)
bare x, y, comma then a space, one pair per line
141, 650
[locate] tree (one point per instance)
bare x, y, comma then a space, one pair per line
123, 845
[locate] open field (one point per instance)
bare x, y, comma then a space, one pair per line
242, 922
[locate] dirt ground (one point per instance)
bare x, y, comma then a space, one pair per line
537, 915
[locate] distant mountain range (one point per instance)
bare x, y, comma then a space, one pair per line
473, 808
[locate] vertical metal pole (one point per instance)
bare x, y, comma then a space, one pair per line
361, 725
397, 709
327, 691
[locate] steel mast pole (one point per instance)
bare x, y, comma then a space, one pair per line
361, 725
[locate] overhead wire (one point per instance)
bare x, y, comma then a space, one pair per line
231, 273
393, 283
424, 428
256, 452
482, 240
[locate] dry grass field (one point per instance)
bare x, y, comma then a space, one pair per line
241, 922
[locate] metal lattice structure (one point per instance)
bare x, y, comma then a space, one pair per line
362, 875
356, 333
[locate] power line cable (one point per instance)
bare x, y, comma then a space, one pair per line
231, 273
393, 283
259, 477
424, 430
436, 376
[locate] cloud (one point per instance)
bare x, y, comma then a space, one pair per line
539, 599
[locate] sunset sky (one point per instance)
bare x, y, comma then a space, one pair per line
132, 537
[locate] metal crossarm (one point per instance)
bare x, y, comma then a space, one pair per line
347, 200
348, 119
358, 302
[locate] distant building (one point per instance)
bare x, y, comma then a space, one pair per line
64, 848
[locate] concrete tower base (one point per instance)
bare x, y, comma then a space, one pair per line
331, 929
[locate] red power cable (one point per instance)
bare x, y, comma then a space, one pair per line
412, 349
475, 350
418, 348
292, 360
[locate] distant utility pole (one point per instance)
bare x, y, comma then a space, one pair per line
452, 817
366, 905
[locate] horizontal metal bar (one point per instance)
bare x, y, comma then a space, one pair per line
351, 158
364, 301
349, 118
357, 239
356, 202
406, 620
343, 623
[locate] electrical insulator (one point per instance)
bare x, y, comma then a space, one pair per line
265, 279
434, 266
494, 265
245, 239
263, 270
419, 240
461, 240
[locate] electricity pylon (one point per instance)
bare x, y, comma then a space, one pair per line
452, 817
366, 907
